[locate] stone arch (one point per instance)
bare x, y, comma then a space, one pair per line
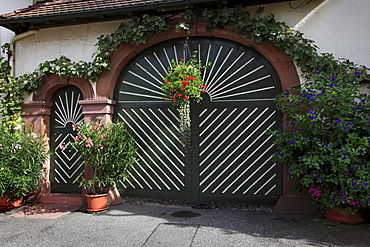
53, 82
36, 113
283, 65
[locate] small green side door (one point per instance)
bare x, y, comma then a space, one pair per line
65, 164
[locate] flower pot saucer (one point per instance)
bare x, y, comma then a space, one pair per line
96, 211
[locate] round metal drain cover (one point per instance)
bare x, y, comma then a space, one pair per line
184, 214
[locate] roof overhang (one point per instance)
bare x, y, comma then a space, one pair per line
21, 23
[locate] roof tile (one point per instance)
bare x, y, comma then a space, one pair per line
61, 7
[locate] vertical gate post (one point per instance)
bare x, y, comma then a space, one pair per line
101, 108
36, 114
192, 156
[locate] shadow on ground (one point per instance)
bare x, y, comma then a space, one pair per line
311, 230
149, 226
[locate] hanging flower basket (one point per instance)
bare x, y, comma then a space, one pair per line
182, 84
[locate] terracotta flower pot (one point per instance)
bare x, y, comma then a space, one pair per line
96, 203
7, 205
339, 215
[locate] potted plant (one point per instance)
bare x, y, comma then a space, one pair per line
22, 154
183, 83
109, 151
326, 138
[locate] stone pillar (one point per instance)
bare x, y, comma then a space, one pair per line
101, 108
36, 114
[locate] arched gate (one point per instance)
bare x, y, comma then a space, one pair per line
230, 155
66, 165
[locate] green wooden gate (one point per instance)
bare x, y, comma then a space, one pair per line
65, 164
229, 159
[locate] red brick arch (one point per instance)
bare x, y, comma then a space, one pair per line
283, 65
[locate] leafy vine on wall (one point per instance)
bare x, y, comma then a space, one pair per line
137, 31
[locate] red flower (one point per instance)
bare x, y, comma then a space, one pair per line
167, 81
185, 76
181, 59
204, 91
173, 99
179, 94
183, 88
184, 82
186, 97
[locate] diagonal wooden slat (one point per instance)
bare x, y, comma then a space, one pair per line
226, 172
155, 144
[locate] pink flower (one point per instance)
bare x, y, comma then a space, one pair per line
354, 203
315, 191
102, 137
89, 143
73, 127
61, 146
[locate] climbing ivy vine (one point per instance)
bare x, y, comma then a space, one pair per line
136, 31
261, 28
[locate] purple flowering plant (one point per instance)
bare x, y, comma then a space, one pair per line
325, 141
108, 149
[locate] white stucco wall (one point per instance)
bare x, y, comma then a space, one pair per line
338, 26
76, 42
